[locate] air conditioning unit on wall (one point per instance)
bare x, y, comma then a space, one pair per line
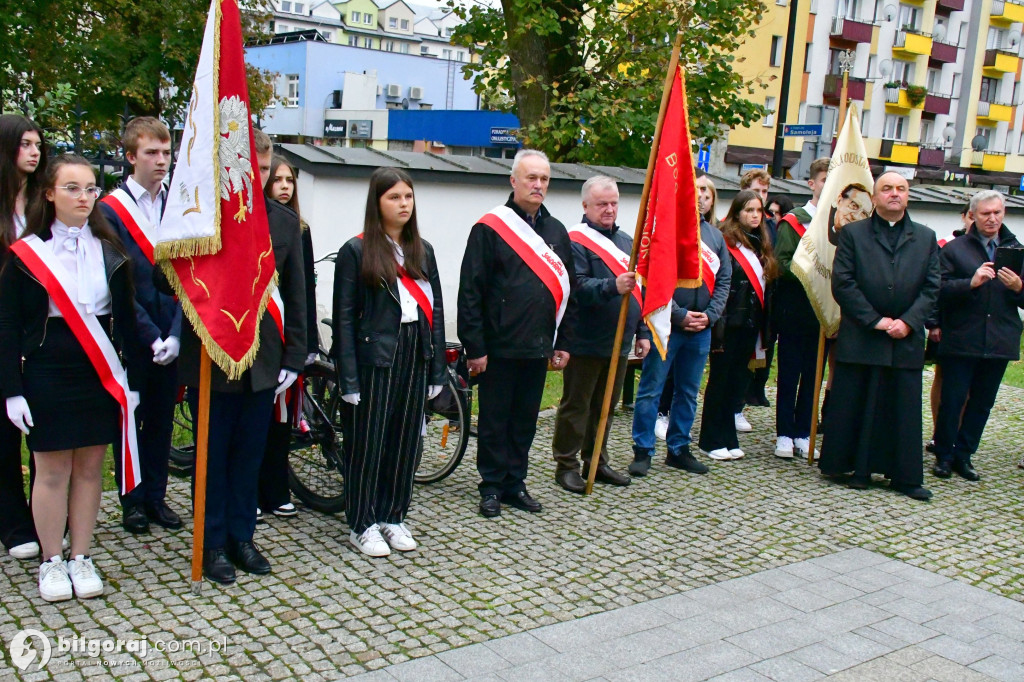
415, 92
394, 90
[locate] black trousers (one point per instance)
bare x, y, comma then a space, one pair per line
757, 379
727, 381
579, 411
16, 526
509, 394
794, 399
383, 434
273, 485
154, 423
976, 381
238, 432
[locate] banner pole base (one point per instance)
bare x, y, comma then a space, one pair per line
197, 588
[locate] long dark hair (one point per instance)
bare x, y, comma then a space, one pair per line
42, 212
275, 164
735, 233
378, 255
12, 128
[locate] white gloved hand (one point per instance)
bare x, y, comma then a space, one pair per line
433, 391
157, 346
19, 414
311, 358
168, 351
351, 398
284, 380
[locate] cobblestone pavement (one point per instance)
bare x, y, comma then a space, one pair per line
329, 612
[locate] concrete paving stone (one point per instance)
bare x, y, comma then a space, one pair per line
778, 638
704, 661
565, 636
856, 647
999, 668
520, 648
905, 630
641, 647
699, 630
625, 621
538, 671
836, 591
942, 669
779, 579
880, 670
845, 616
1004, 625
803, 599
823, 659
963, 630
786, 669
740, 675
911, 610
752, 614
679, 606
1001, 645
428, 669
475, 659
908, 655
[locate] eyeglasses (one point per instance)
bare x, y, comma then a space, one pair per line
76, 192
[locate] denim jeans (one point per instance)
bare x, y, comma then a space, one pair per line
686, 355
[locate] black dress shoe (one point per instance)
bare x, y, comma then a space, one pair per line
247, 557
641, 464
161, 515
915, 492
942, 470
858, 482
930, 446
609, 476
522, 500
490, 506
686, 461
217, 567
965, 470
571, 481
135, 521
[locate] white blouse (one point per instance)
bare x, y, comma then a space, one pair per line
81, 254
410, 309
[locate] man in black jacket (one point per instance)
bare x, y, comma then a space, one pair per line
981, 332
885, 278
598, 245
515, 286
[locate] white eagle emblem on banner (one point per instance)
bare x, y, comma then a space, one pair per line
236, 174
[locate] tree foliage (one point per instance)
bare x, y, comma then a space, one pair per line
585, 78
134, 57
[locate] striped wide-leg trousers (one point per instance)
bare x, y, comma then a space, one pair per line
382, 436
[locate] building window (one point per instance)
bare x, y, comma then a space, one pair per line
424, 49
282, 28
327, 36
769, 117
353, 41
895, 128
776, 57
903, 72
405, 48
368, 42
446, 54
405, 24
393, 22
909, 17
449, 31
995, 38
299, 8
989, 86
807, 58
356, 16
293, 90
391, 46
368, 19
460, 56
286, 6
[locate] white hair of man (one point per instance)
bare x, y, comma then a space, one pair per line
597, 182
986, 195
524, 153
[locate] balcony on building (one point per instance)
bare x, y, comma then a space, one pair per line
911, 43
989, 160
997, 62
855, 89
936, 103
1006, 12
851, 31
902, 98
898, 151
944, 7
931, 156
991, 113
942, 53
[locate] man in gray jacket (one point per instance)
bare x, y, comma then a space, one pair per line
695, 312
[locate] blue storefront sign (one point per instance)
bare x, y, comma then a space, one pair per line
801, 130
504, 136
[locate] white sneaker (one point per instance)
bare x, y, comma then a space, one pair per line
370, 542
802, 445
719, 454
742, 425
736, 453
784, 447
84, 577
259, 515
54, 583
26, 550
286, 510
661, 427
398, 536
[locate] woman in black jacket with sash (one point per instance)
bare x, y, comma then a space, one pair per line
389, 341
52, 389
743, 327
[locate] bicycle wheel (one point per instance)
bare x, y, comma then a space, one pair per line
183, 444
314, 460
445, 431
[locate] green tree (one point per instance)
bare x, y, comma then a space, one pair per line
585, 79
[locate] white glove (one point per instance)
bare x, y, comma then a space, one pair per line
19, 414
168, 351
351, 398
285, 379
433, 391
157, 346
311, 358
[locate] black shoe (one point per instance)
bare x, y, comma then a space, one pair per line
942, 469
247, 557
571, 481
135, 521
522, 500
930, 447
490, 506
757, 400
915, 492
217, 567
161, 515
640, 465
858, 482
609, 476
964, 470
685, 461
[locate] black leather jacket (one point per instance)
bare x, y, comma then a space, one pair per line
367, 320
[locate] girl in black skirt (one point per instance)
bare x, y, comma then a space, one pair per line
22, 168
53, 391
389, 340
743, 322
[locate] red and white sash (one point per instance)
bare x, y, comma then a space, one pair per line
134, 220
797, 226
614, 258
63, 290
711, 265
419, 289
755, 273
275, 308
529, 246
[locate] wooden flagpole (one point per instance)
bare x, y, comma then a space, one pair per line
199, 496
609, 388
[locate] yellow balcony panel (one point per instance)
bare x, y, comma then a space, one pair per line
990, 113
998, 62
909, 45
993, 162
899, 152
897, 100
1006, 12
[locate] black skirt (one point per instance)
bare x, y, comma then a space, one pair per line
70, 408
